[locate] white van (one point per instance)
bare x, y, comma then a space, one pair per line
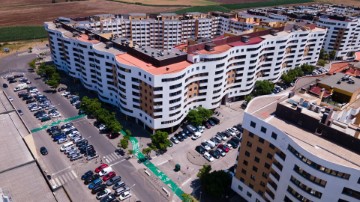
64, 146
196, 135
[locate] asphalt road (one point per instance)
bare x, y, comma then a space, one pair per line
58, 164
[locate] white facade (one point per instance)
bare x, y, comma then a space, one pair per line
342, 36
313, 189
96, 66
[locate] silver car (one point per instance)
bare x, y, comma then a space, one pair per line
122, 190
62, 140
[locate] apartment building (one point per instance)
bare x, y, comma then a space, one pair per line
158, 87
300, 147
342, 23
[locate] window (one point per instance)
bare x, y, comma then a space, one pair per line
269, 156
255, 168
261, 140
274, 135
252, 124
257, 159
249, 194
247, 153
259, 150
251, 134
264, 175
249, 144
263, 129
245, 162
272, 146
267, 165
240, 188
243, 171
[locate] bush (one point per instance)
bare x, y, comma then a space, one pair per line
124, 143
160, 140
321, 62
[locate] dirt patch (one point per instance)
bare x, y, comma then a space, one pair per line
20, 46
173, 2
344, 2
21, 12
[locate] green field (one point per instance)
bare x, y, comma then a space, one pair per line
19, 33
230, 7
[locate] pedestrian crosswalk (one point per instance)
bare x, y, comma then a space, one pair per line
112, 157
63, 178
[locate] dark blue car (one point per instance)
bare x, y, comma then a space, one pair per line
95, 183
58, 137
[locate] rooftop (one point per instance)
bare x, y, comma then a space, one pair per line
338, 81
339, 149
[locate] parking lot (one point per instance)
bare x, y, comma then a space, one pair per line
64, 169
190, 160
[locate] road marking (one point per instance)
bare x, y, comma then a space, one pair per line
61, 180
52, 182
73, 172
71, 176
57, 181
117, 162
65, 177
107, 160
61, 170
186, 181
162, 162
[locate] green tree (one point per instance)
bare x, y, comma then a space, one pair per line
248, 97
216, 183
32, 64
307, 69
205, 170
332, 54
194, 117
128, 132
322, 53
160, 140
188, 198
204, 113
124, 143
146, 151
321, 62
263, 87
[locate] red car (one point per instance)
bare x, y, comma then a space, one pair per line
109, 176
224, 148
101, 167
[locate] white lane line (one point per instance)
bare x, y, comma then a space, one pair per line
107, 160
162, 162
71, 176
117, 162
61, 170
73, 172
61, 180
186, 181
114, 156
109, 157
57, 181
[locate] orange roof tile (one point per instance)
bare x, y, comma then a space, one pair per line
85, 38
338, 67
357, 56
133, 61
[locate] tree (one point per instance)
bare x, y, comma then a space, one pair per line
248, 98
205, 170
160, 140
124, 143
198, 115
216, 183
128, 132
307, 69
188, 198
263, 87
32, 64
146, 151
322, 53
321, 62
332, 54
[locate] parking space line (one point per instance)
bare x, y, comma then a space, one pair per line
73, 172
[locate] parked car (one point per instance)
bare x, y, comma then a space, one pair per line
87, 174
225, 148
94, 183
125, 195
98, 188
62, 140
208, 157
20, 112
179, 137
174, 140
5, 85
222, 153
117, 185
108, 198
200, 149
113, 180
121, 190
206, 146
101, 167
215, 154
43, 151
91, 178
101, 194
75, 157
108, 176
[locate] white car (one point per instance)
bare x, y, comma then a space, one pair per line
69, 128
102, 194
174, 140
200, 129
208, 157
105, 171
206, 146
55, 115
125, 195
35, 108
230, 132
102, 127
10, 99
65, 93
222, 153
62, 140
